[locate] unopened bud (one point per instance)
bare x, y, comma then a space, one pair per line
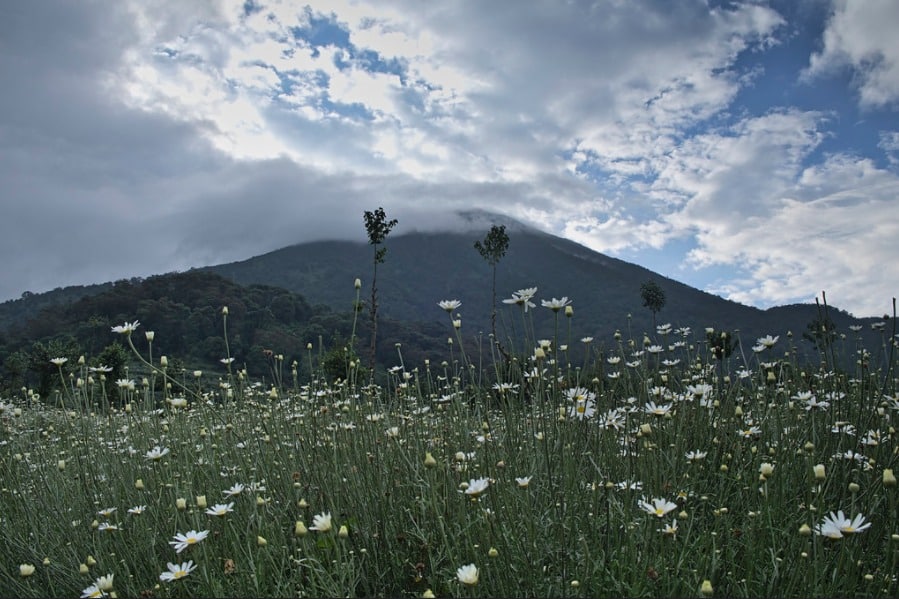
299, 529
819, 471
430, 462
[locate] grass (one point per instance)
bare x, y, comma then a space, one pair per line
543, 481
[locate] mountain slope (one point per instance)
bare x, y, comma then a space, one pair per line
424, 268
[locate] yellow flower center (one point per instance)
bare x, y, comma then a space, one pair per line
180, 574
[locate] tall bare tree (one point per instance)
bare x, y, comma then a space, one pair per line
378, 228
492, 250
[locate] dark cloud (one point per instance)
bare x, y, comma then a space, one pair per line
139, 138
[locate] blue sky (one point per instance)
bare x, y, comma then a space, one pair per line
750, 149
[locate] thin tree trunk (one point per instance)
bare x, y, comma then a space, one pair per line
374, 318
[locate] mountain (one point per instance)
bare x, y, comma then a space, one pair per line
304, 293
422, 268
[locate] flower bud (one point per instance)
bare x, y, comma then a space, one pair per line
819, 471
260, 541
343, 532
26, 570
430, 462
139, 484
889, 479
706, 588
181, 504
299, 529
201, 502
357, 283
805, 531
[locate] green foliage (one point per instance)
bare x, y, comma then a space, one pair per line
113, 356
495, 245
44, 375
183, 311
653, 297
378, 227
571, 469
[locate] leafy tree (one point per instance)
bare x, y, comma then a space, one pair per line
39, 361
113, 356
15, 367
653, 298
378, 228
492, 250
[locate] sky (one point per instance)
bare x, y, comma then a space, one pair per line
749, 149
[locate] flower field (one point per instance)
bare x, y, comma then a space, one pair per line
619, 467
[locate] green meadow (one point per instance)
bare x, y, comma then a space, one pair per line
664, 465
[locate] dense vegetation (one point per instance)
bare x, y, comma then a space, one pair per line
182, 310
652, 466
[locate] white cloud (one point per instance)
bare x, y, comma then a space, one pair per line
793, 229
862, 36
198, 133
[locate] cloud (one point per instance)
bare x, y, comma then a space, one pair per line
138, 138
862, 37
795, 230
